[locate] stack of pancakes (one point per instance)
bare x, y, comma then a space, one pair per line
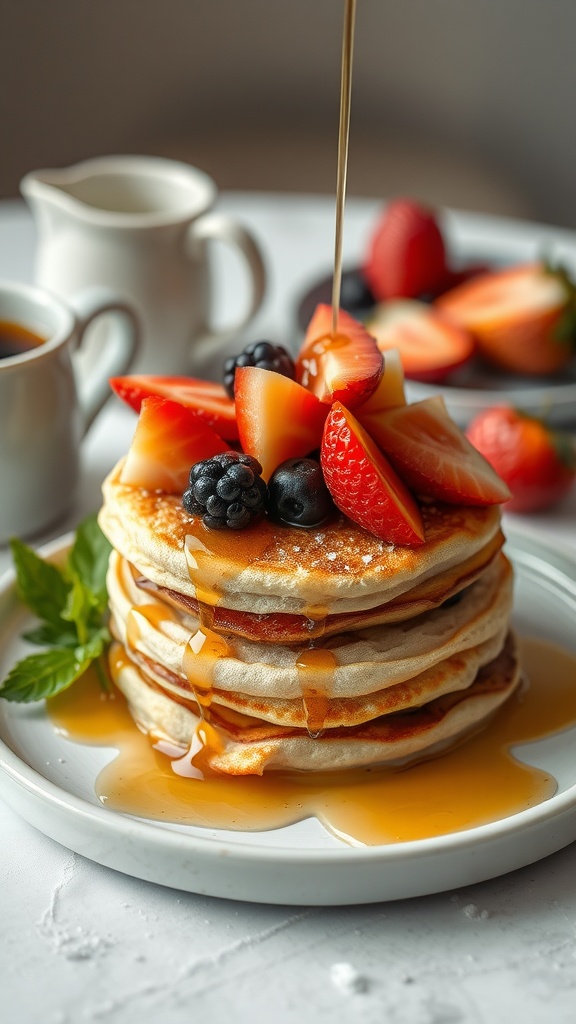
309, 649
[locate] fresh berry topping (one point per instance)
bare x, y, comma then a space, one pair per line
406, 255
355, 294
433, 456
537, 463
208, 400
277, 418
262, 354
390, 390
364, 485
344, 367
297, 494
431, 346
522, 318
167, 440
227, 491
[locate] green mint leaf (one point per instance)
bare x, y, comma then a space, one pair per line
96, 644
88, 561
78, 608
44, 675
72, 605
48, 635
39, 584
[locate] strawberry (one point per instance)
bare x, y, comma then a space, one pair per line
390, 390
208, 400
346, 367
537, 463
168, 440
364, 485
430, 345
521, 316
278, 419
406, 255
433, 456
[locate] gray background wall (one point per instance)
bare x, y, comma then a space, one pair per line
465, 102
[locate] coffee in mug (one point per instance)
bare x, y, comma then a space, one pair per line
46, 403
15, 339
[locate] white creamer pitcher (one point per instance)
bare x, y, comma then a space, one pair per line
141, 226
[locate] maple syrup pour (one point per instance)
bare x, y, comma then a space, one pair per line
210, 556
476, 782
315, 673
156, 614
316, 615
199, 660
213, 555
343, 137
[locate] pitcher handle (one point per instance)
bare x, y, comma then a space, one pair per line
219, 227
118, 351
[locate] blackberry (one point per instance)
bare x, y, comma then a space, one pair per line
259, 353
297, 494
227, 491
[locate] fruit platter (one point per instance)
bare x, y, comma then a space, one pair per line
480, 331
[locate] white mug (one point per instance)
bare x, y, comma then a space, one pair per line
46, 405
143, 227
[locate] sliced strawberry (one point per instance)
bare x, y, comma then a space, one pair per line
168, 440
345, 367
390, 390
465, 273
537, 463
433, 456
278, 419
209, 400
406, 255
518, 316
364, 485
430, 345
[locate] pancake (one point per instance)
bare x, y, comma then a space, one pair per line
250, 746
278, 647
361, 661
280, 627
317, 712
269, 569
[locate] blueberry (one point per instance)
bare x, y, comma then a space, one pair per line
297, 494
355, 294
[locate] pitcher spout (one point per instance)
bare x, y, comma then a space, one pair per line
122, 191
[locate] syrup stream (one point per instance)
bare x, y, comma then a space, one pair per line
343, 137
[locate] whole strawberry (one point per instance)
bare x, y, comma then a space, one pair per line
537, 463
406, 256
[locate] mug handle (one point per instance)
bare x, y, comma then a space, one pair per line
118, 351
219, 227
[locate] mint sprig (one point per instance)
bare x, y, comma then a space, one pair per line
71, 603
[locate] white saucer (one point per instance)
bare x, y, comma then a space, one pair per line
49, 781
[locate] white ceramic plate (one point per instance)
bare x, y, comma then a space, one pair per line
49, 781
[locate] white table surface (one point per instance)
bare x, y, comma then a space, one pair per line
79, 942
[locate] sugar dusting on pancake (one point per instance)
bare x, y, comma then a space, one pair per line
269, 568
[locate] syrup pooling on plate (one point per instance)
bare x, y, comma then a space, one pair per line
477, 782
